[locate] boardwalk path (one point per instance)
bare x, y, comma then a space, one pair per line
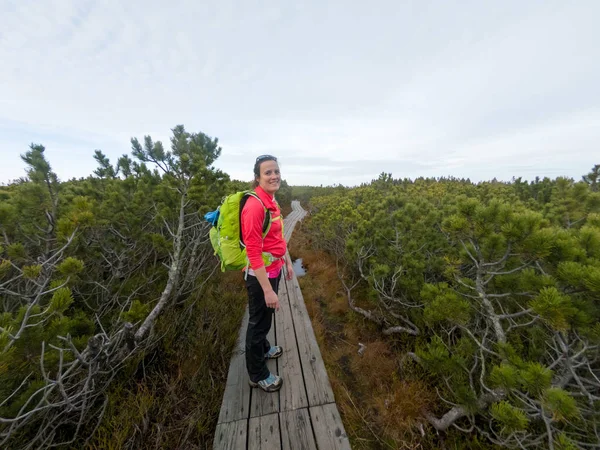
303, 414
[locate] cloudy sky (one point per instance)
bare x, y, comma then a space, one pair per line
340, 91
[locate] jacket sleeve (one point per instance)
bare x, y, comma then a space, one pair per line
253, 217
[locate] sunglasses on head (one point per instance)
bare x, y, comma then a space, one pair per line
266, 157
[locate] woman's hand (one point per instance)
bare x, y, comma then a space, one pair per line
272, 300
289, 270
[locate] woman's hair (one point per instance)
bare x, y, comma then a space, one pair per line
261, 159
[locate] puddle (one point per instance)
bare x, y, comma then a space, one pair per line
298, 268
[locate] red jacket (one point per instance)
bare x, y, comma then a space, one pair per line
253, 217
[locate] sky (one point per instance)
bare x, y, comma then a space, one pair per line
339, 91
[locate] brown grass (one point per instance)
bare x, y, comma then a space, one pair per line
338, 305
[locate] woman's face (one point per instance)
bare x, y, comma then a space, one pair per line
270, 178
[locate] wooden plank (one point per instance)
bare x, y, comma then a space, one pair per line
328, 427
236, 399
296, 432
264, 434
292, 394
315, 376
289, 227
292, 219
231, 435
241, 342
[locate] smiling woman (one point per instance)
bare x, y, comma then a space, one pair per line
267, 174
262, 278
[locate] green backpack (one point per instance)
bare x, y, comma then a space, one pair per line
226, 233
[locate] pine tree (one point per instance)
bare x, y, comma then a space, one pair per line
498, 286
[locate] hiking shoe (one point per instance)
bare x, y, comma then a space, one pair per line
270, 384
274, 352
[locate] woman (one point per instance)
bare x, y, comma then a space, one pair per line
262, 281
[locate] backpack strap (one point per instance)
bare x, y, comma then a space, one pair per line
266, 222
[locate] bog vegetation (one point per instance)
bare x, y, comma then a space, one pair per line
116, 326
490, 293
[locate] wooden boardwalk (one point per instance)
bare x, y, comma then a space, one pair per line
303, 414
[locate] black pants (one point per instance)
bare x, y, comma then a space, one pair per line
259, 325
